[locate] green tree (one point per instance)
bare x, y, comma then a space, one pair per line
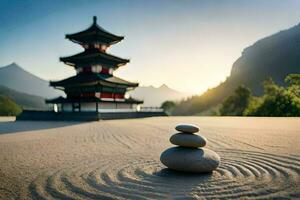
168, 106
235, 104
276, 101
8, 107
294, 83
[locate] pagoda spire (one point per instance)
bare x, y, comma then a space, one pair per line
94, 33
95, 20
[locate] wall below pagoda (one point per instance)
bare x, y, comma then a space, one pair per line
102, 107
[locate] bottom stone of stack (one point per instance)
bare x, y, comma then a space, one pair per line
198, 160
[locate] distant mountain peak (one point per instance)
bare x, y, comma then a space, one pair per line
155, 96
164, 86
12, 65
15, 77
14, 68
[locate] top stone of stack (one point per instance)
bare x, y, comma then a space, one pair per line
187, 128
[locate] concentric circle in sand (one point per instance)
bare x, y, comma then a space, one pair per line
241, 174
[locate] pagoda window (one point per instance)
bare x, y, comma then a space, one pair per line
96, 68
55, 107
103, 47
97, 94
107, 70
97, 46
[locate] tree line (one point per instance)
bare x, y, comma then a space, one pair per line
275, 101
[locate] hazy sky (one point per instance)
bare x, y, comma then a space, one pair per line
188, 45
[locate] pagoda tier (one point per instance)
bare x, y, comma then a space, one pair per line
94, 34
88, 79
92, 57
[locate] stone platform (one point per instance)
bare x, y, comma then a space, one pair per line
31, 115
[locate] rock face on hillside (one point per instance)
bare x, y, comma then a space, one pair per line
275, 56
14, 77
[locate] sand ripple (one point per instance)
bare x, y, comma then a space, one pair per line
242, 174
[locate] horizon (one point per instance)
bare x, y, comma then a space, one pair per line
210, 47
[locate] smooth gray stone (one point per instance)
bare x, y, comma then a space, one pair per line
187, 128
190, 159
188, 140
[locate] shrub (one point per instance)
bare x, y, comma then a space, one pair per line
8, 107
276, 101
168, 106
235, 104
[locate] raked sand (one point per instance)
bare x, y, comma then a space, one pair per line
119, 159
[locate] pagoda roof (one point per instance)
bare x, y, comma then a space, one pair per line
94, 33
90, 99
94, 56
92, 79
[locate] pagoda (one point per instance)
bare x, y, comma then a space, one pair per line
94, 87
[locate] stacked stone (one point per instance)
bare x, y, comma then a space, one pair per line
189, 155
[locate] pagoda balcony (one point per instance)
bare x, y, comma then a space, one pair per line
95, 69
92, 99
90, 104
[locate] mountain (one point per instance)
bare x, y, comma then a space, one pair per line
156, 96
26, 101
274, 56
14, 77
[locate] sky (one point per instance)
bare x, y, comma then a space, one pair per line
188, 45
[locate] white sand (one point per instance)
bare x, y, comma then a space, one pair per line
119, 159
